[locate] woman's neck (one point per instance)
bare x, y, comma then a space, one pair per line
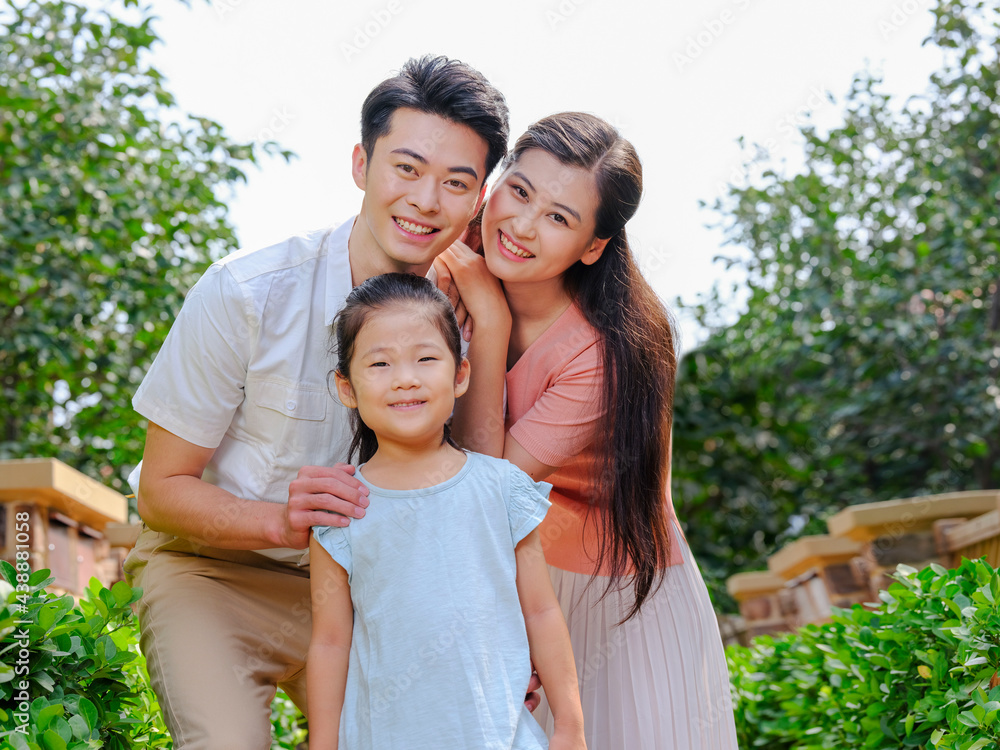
534, 306
401, 467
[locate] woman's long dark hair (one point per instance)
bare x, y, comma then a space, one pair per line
637, 344
381, 293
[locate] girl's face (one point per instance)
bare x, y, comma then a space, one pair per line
403, 379
540, 220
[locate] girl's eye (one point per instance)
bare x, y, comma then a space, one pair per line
379, 364
428, 359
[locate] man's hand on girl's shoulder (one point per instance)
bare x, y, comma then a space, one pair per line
322, 496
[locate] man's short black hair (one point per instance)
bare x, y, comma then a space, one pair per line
446, 88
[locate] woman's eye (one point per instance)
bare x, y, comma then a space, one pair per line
559, 218
519, 191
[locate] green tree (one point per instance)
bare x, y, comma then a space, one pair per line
865, 365
111, 205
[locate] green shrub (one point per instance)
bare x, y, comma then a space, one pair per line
918, 671
79, 665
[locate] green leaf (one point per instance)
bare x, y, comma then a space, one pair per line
47, 714
79, 726
122, 593
52, 741
89, 712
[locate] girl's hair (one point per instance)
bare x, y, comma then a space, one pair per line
382, 293
637, 344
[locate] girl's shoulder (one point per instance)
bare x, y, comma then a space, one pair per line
507, 477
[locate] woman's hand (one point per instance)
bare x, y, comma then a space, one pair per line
475, 292
532, 699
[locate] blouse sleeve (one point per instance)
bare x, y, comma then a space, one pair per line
527, 503
337, 541
563, 421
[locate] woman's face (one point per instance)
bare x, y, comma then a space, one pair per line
540, 219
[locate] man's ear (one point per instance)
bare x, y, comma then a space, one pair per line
482, 197
462, 377
594, 253
345, 392
359, 166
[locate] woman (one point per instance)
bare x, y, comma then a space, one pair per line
562, 317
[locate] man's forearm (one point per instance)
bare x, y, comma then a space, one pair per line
207, 515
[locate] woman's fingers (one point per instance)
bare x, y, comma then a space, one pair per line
444, 280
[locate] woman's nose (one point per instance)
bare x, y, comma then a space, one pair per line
523, 226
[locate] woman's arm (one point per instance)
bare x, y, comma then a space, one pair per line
478, 423
330, 647
548, 639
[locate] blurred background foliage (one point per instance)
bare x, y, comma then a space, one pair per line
112, 203
864, 365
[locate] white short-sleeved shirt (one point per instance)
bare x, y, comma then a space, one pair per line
439, 652
245, 367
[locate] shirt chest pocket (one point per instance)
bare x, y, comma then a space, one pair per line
278, 400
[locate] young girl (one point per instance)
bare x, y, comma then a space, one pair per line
586, 348
425, 610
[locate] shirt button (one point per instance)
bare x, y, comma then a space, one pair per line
290, 405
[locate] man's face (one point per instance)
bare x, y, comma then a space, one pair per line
422, 187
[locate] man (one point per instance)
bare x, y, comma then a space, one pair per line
244, 436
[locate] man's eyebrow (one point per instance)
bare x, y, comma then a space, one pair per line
411, 154
563, 206
414, 155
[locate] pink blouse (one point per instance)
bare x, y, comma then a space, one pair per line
553, 406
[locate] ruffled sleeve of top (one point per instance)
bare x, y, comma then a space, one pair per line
527, 503
337, 541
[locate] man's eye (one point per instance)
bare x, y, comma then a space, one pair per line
408, 168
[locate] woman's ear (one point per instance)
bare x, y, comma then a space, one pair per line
345, 392
595, 251
462, 377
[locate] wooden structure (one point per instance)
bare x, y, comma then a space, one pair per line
763, 606
911, 531
58, 515
978, 537
818, 574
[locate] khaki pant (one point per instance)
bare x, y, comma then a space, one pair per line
220, 629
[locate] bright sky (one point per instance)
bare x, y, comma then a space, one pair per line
681, 80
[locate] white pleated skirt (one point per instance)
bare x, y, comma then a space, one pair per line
658, 682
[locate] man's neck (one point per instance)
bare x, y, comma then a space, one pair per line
367, 258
